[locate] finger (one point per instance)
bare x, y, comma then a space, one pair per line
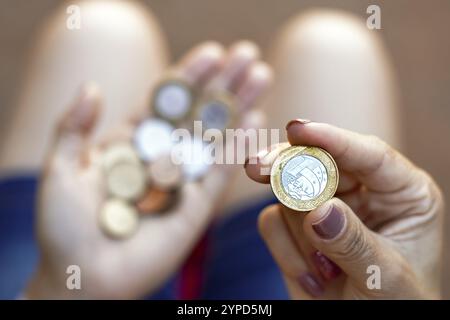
258, 167
320, 265
276, 234
77, 124
370, 160
240, 58
257, 80
201, 63
338, 233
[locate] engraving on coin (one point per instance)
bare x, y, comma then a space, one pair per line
172, 100
118, 219
152, 138
304, 177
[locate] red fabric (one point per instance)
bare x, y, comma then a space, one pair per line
192, 273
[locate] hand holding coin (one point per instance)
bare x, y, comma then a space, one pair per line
387, 214
77, 203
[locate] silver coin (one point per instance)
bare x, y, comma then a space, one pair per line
194, 157
215, 114
172, 101
304, 177
153, 138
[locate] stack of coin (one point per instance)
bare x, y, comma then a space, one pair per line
165, 180
145, 176
303, 178
125, 182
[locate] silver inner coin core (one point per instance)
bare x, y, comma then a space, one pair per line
304, 177
215, 115
172, 101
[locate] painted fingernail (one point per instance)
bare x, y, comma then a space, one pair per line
311, 284
327, 268
331, 225
301, 121
246, 162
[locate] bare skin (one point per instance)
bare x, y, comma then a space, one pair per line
71, 193
387, 212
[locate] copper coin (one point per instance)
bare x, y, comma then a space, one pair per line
156, 200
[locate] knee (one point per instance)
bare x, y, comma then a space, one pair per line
328, 30
108, 21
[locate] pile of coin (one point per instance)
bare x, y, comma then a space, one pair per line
303, 178
145, 175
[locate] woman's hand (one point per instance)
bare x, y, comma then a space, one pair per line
386, 217
72, 192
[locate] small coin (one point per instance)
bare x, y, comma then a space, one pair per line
172, 100
194, 156
152, 138
216, 111
117, 153
126, 181
118, 219
303, 178
165, 173
157, 200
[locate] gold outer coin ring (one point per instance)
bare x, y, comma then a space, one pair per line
179, 82
304, 205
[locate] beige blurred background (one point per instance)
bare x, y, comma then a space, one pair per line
416, 34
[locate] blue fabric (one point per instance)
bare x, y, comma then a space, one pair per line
18, 250
238, 266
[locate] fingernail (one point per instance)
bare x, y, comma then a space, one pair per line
327, 268
330, 225
311, 284
84, 112
301, 121
246, 162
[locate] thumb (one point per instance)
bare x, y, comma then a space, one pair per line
77, 123
336, 231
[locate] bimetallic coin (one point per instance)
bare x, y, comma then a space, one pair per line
303, 178
216, 112
194, 157
126, 181
118, 219
118, 153
157, 200
172, 100
153, 138
165, 174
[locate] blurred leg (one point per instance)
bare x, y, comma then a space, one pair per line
329, 67
119, 46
